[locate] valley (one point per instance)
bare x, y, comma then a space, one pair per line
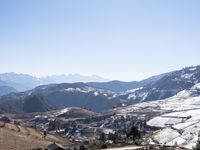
165, 111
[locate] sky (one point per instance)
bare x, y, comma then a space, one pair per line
117, 39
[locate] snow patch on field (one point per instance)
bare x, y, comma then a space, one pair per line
178, 117
63, 111
133, 90
166, 135
163, 121
184, 125
96, 93
107, 131
176, 141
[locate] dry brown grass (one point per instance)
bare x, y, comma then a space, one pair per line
15, 137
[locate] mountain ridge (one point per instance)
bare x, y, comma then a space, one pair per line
22, 82
100, 99
56, 96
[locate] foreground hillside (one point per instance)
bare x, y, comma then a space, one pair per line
23, 138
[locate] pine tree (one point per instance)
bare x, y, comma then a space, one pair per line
134, 134
82, 147
102, 137
114, 137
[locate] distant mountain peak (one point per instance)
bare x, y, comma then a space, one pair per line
72, 78
23, 82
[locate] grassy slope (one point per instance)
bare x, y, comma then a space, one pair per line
22, 138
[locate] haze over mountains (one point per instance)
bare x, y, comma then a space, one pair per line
23, 82
97, 96
13, 82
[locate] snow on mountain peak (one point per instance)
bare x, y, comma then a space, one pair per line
193, 69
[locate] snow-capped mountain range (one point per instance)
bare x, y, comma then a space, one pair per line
23, 82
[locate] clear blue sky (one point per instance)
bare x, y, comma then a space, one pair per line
116, 39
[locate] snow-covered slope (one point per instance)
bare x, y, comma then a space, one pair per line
186, 123
169, 85
181, 120
178, 117
184, 100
